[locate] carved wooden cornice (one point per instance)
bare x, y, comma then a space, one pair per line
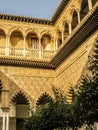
25, 19
16, 61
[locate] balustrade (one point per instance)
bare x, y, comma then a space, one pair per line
2, 50
16, 52
47, 54
32, 53
29, 53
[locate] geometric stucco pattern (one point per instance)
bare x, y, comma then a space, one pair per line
31, 86
70, 72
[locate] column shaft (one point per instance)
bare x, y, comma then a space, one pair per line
39, 48
62, 36
3, 121
90, 4
78, 16
56, 44
7, 44
7, 121
70, 28
24, 51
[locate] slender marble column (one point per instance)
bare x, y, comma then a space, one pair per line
4, 121
7, 120
39, 47
90, 4
70, 28
62, 36
8, 41
24, 50
96, 126
7, 44
56, 44
78, 17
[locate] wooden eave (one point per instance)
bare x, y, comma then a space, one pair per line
25, 19
87, 29
59, 10
21, 62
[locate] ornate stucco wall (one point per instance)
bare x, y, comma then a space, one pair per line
70, 71
32, 82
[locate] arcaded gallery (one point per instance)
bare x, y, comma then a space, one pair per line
36, 54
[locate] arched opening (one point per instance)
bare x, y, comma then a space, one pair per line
46, 42
74, 19
32, 45
94, 2
32, 41
16, 40
2, 42
84, 9
2, 38
59, 41
21, 108
66, 30
16, 43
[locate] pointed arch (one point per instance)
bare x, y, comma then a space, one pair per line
21, 106
59, 40
28, 99
20, 98
66, 29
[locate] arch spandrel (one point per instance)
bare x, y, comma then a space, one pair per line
18, 29
32, 31
47, 32
2, 28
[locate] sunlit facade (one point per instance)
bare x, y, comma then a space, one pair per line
37, 54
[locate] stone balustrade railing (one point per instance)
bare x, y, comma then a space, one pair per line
27, 53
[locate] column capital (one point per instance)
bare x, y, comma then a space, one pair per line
77, 9
61, 25
69, 20
56, 37
5, 109
39, 36
90, 4
8, 34
24, 35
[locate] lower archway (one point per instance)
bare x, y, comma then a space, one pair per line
22, 110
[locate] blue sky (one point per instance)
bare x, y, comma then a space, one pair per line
31, 8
